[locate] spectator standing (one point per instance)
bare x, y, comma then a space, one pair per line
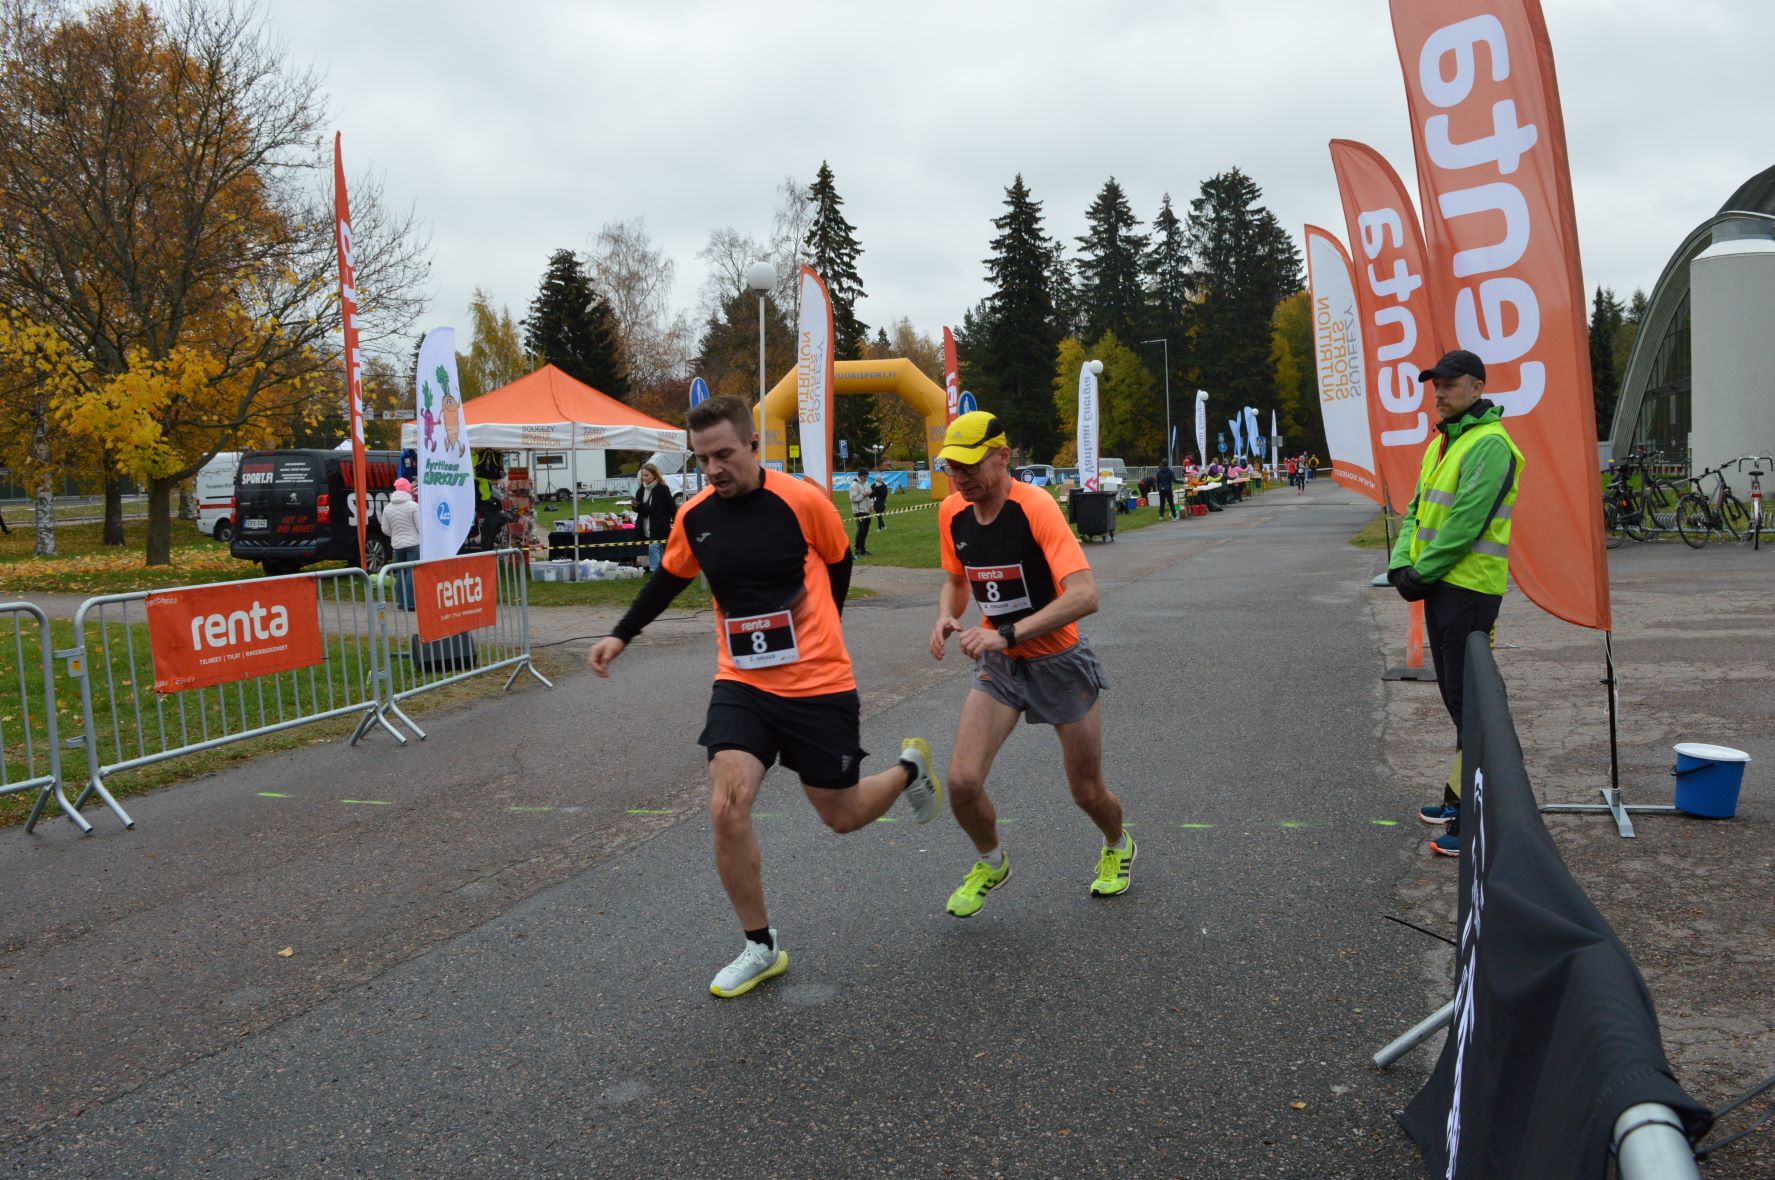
861, 505
654, 513
878, 491
1165, 479
400, 520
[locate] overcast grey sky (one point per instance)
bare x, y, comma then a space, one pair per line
521, 126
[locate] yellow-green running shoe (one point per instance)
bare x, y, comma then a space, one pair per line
981, 880
1113, 868
924, 794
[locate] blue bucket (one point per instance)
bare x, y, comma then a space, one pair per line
1708, 778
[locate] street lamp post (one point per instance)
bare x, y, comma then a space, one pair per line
1167, 346
761, 276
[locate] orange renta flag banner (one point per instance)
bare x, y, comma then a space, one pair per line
233, 631
354, 366
456, 594
1399, 324
1496, 194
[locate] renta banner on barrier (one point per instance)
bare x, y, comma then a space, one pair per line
1337, 353
1202, 426
951, 374
1399, 321
1089, 479
1554, 1034
455, 595
816, 377
354, 363
446, 469
208, 635
1496, 196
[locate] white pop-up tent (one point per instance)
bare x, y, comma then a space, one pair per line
547, 411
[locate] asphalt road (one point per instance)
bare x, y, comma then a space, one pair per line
503, 970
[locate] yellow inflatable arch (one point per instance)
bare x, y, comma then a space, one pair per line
899, 376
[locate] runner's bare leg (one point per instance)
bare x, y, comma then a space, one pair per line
984, 725
734, 776
859, 806
1081, 748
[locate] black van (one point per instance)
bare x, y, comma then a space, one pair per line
294, 508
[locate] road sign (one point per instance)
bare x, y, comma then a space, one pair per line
966, 404
844, 448
1220, 440
699, 391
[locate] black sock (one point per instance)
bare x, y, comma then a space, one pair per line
911, 769
761, 937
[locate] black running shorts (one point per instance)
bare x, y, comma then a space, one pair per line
816, 737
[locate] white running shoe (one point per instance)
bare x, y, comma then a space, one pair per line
756, 964
924, 794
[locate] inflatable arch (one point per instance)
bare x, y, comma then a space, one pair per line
899, 376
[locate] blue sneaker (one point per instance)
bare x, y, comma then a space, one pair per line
1437, 814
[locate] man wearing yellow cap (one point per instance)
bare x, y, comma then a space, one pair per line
1006, 546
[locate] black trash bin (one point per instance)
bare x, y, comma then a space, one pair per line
1092, 513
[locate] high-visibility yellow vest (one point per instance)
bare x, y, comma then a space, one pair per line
1486, 566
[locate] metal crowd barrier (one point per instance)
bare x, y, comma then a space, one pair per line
28, 738
129, 724
411, 666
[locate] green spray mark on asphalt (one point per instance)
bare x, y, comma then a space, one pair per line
886, 819
273, 795
1195, 827
1385, 823
515, 807
369, 802
651, 811
1293, 823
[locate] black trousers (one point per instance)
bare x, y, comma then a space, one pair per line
1167, 505
1452, 613
862, 532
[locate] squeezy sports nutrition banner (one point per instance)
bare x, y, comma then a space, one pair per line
1496, 196
456, 595
1089, 476
1337, 353
816, 376
210, 635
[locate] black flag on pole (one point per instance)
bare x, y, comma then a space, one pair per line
1553, 1033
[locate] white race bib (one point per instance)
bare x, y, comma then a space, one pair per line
762, 641
999, 589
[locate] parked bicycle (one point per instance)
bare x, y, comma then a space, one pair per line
1637, 502
1757, 464
1700, 514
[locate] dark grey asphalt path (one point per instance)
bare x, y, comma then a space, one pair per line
1171, 1032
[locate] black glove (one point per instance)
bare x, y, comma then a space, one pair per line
1411, 587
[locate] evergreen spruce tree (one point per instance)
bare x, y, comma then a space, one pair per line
1242, 263
832, 251
1111, 251
1166, 272
1607, 318
571, 327
1008, 342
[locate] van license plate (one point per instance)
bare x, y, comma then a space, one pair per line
256, 522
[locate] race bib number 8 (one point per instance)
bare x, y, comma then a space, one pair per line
999, 589
762, 641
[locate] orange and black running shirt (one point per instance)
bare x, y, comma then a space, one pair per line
765, 554
1015, 565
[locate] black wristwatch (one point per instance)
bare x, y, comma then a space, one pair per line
1008, 633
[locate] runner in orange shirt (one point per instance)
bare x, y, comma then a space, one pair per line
778, 563
1007, 548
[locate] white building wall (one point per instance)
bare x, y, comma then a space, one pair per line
1732, 350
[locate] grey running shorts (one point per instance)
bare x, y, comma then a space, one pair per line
1048, 690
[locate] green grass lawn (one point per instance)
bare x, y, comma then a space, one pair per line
82, 565
1373, 535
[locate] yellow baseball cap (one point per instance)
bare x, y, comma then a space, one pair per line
973, 436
